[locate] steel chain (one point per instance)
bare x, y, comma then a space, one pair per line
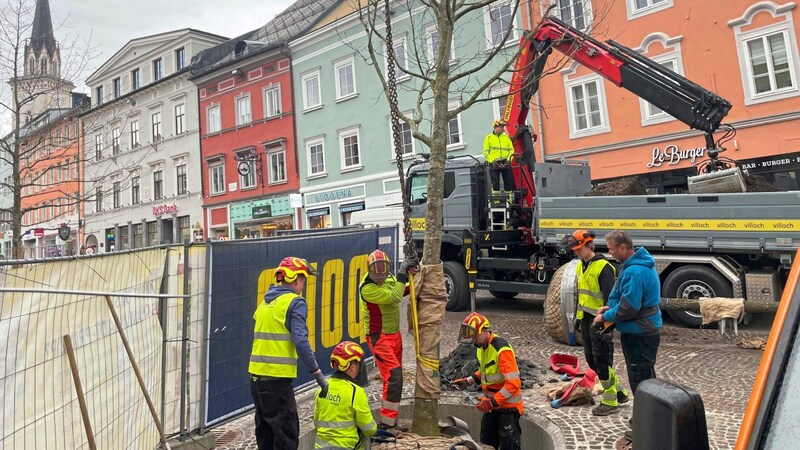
409, 249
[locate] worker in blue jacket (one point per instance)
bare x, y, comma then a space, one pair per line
633, 306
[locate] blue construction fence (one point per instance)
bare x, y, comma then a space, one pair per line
240, 272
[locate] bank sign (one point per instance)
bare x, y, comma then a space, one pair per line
672, 155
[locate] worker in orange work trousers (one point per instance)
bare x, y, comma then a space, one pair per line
499, 378
381, 294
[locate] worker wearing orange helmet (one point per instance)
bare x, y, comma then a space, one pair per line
596, 277
381, 294
280, 337
498, 375
343, 417
497, 149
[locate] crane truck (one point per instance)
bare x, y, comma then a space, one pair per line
705, 245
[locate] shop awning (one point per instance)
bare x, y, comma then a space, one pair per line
318, 212
351, 207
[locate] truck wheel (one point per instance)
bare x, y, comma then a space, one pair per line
554, 319
456, 281
693, 282
504, 295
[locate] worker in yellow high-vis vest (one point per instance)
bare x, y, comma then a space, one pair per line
279, 338
343, 418
596, 277
498, 150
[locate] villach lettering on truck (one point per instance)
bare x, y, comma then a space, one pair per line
328, 322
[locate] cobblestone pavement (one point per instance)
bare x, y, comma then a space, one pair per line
701, 359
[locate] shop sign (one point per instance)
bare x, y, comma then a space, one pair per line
351, 207
260, 212
318, 212
771, 163
335, 195
672, 155
38, 232
165, 209
64, 232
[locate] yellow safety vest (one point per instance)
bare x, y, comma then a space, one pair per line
273, 352
590, 296
340, 416
497, 146
492, 380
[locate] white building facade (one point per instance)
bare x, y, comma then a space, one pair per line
141, 145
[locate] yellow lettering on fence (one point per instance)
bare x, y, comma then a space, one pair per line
332, 287
355, 324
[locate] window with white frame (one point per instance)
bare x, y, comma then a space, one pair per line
499, 95
349, 144
454, 135
587, 109
98, 147
136, 190
158, 185
432, 41
243, 114
401, 58
768, 54
652, 114
316, 157
249, 180
406, 138
115, 190
345, 78
180, 118
134, 134
272, 101
213, 119
156, 121
136, 79
98, 199
277, 166
637, 8
181, 180
499, 17
311, 90
115, 133
157, 70
216, 178
576, 13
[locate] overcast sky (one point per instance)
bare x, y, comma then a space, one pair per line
108, 25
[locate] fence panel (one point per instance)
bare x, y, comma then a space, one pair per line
242, 271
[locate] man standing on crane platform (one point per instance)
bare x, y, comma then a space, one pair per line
497, 149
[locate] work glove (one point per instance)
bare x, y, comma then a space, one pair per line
485, 404
462, 383
322, 382
410, 263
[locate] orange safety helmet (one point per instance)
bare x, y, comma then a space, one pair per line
474, 324
577, 240
344, 354
291, 267
378, 264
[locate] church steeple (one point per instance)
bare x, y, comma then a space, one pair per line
42, 30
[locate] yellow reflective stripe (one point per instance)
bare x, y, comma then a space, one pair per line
334, 424
493, 378
514, 399
370, 426
512, 376
588, 310
272, 336
505, 393
591, 293
319, 443
272, 359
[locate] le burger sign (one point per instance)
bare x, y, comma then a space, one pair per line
672, 155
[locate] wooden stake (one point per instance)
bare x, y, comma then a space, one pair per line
137, 372
76, 379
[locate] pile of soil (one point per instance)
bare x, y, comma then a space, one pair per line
623, 186
462, 362
757, 183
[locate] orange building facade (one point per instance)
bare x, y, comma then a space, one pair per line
51, 179
744, 51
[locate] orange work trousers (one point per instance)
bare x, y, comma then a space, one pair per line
388, 352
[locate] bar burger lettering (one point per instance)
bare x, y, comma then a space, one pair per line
673, 155
165, 209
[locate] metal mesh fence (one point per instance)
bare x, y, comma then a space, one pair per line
41, 302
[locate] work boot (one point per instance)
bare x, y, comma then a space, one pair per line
622, 397
604, 410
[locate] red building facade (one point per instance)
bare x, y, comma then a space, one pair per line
247, 143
